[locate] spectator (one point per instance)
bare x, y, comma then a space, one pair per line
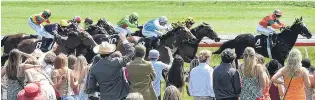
158, 68
141, 74
48, 63
72, 61
31, 92
226, 79
176, 73
295, 77
80, 72
14, 72
108, 71
62, 78
309, 91
193, 64
261, 61
94, 94
200, 82
38, 75
171, 93
134, 96
253, 78
276, 90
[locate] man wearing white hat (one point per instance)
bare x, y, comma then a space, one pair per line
108, 71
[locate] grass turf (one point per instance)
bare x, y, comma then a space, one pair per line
224, 17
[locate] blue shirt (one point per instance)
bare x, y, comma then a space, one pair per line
149, 26
158, 67
200, 81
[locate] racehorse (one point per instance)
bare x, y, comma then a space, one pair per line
188, 49
28, 43
170, 41
284, 43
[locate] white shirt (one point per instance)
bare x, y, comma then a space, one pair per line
158, 67
201, 81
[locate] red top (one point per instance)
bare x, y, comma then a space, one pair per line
272, 21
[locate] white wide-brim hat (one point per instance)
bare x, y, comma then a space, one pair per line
104, 48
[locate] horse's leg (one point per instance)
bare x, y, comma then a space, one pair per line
4, 58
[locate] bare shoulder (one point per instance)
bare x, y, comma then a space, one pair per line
259, 67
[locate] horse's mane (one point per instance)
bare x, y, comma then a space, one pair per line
297, 21
170, 33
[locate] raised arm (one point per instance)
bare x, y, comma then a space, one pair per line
129, 51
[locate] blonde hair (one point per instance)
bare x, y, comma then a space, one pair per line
204, 55
249, 62
171, 93
294, 61
81, 68
134, 96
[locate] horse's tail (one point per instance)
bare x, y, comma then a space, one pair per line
3, 39
227, 44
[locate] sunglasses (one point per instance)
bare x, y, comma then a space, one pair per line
278, 16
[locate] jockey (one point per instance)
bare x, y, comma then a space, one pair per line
76, 21
36, 20
188, 23
128, 21
87, 22
268, 25
53, 29
152, 30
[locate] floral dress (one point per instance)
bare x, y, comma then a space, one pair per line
250, 88
14, 87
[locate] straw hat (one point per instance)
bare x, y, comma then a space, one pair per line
104, 48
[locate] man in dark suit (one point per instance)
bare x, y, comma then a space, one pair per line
108, 71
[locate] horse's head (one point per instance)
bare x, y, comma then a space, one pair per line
105, 24
300, 27
183, 33
205, 30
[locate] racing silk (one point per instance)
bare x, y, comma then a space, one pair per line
124, 23
153, 25
38, 19
51, 27
271, 20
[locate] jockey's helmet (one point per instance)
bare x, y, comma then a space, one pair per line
46, 13
134, 17
64, 23
77, 19
88, 20
190, 20
278, 13
163, 20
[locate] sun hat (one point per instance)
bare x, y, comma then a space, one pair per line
104, 48
30, 92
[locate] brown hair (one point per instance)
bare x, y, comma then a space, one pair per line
60, 61
72, 60
14, 60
